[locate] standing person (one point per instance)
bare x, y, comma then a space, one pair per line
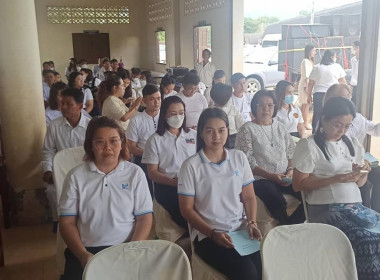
329, 169
65, 132
97, 67
73, 67
206, 69
216, 196
143, 125
289, 115
323, 76
53, 111
355, 69
111, 208
112, 104
241, 99
48, 81
195, 102
221, 95
164, 153
167, 86
76, 80
269, 149
219, 77
307, 65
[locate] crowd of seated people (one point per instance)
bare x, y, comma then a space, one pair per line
206, 154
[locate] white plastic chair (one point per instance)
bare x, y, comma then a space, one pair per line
63, 162
139, 260
307, 251
305, 207
265, 222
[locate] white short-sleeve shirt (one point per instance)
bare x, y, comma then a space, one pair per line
194, 107
173, 92
141, 127
362, 126
290, 119
325, 76
243, 104
87, 96
106, 204
216, 189
52, 115
170, 151
46, 91
308, 158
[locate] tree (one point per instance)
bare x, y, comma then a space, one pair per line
304, 13
258, 25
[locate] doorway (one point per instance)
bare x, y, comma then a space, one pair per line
202, 40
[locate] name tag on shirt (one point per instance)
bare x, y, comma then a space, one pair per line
190, 141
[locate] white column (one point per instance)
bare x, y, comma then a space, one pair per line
21, 103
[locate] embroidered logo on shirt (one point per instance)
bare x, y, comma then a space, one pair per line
124, 186
295, 115
236, 172
190, 141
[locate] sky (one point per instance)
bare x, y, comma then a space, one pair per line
284, 9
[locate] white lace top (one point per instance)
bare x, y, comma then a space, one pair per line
269, 147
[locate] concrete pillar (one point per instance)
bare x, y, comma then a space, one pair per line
21, 106
237, 36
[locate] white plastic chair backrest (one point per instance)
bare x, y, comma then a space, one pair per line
305, 206
63, 162
307, 251
139, 260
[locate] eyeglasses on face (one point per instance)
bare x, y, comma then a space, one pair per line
101, 143
269, 106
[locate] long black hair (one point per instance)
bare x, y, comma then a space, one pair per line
326, 58
162, 125
334, 107
207, 114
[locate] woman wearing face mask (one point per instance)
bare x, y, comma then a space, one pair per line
289, 115
164, 153
323, 76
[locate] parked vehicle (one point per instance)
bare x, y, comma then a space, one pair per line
261, 69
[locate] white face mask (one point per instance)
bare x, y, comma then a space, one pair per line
334, 59
84, 66
143, 83
175, 121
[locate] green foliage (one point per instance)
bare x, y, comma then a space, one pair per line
304, 13
258, 25
161, 36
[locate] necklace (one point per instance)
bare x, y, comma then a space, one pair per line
271, 138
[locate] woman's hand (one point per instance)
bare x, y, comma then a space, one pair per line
277, 178
85, 258
136, 104
347, 178
309, 99
222, 239
254, 232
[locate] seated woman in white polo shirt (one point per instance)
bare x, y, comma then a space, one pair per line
269, 149
289, 115
216, 196
164, 153
76, 81
105, 201
329, 169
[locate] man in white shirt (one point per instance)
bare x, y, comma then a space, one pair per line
355, 69
206, 69
65, 132
194, 101
48, 76
106, 68
143, 125
240, 98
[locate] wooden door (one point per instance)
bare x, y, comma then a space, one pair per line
91, 46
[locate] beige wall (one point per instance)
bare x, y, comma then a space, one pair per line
126, 40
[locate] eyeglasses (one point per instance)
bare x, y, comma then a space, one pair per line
269, 106
100, 144
340, 126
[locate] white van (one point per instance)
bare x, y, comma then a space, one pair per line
271, 40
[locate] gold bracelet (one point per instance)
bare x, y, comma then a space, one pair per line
252, 222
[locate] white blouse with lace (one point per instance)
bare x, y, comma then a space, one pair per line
269, 147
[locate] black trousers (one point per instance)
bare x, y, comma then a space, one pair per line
317, 108
271, 195
167, 196
73, 268
374, 178
228, 261
145, 169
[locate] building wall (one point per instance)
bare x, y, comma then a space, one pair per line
126, 40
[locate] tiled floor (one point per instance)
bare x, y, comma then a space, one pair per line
29, 253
